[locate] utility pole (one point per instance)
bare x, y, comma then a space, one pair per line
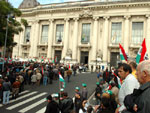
5, 39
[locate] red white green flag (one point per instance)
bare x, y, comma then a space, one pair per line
55, 59
62, 81
141, 53
123, 55
42, 60
118, 79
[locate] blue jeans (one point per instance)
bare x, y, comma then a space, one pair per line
45, 80
6, 97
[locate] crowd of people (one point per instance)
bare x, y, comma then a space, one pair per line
122, 90
125, 89
18, 74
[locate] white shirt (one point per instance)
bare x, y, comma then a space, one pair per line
130, 83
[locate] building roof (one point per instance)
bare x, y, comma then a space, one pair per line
28, 4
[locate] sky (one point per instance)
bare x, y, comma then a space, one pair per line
16, 3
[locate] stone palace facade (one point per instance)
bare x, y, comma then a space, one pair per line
87, 32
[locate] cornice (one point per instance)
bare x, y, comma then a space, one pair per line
35, 11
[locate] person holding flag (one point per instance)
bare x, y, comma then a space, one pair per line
62, 83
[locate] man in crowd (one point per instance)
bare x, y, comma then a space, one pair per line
139, 100
66, 105
129, 84
52, 106
84, 91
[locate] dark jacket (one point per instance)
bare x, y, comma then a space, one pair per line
141, 98
52, 107
98, 89
6, 86
66, 105
84, 93
78, 104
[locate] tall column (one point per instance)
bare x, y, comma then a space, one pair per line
105, 39
148, 35
50, 38
32, 40
95, 33
36, 38
20, 42
75, 40
126, 34
66, 38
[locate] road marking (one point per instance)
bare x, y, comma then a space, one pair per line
32, 106
25, 101
42, 110
91, 97
19, 98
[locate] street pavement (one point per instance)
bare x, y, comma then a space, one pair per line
32, 99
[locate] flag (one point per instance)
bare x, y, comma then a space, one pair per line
69, 67
141, 53
5, 59
24, 65
42, 60
118, 79
55, 59
83, 37
49, 60
123, 55
10, 60
62, 81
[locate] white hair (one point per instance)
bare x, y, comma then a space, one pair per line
145, 66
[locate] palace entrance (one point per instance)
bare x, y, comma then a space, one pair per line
84, 57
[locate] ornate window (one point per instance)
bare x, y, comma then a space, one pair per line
59, 32
44, 36
27, 34
116, 32
85, 36
137, 32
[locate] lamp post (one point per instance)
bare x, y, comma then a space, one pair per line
6, 38
5, 41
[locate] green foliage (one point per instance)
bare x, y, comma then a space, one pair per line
8, 12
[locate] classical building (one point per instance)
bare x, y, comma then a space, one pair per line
86, 31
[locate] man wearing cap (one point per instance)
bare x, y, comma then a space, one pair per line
56, 97
98, 92
52, 106
61, 93
78, 101
84, 92
77, 90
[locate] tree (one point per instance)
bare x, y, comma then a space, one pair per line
8, 13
